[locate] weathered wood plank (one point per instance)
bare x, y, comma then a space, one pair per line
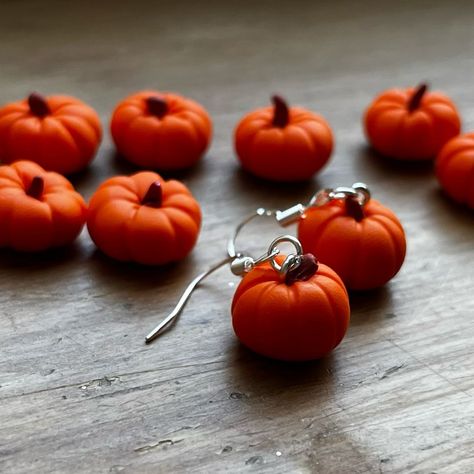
80, 392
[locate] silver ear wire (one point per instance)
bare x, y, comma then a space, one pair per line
239, 265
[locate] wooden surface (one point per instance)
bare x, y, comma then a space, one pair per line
80, 392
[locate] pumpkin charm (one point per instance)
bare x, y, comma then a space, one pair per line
280, 143
455, 169
161, 130
39, 210
359, 238
144, 219
60, 133
301, 316
411, 124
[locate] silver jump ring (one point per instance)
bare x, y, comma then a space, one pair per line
287, 264
363, 192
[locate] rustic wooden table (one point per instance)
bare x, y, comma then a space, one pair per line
79, 390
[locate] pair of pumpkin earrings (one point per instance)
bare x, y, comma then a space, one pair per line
296, 306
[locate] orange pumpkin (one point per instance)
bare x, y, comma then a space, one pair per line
455, 169
280, 143
38, 209
143, 218
302, 317
411, 124
365, 245
60, 133
161, 130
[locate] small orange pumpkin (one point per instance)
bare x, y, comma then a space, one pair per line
280, 143
455, 169
38, 209
364, 245
60, 133
302, 317
143, 218
411, 124
161, 130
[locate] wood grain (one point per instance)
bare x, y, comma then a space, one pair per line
79, 390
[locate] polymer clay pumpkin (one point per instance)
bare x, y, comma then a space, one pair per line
161, 130
38, 209
411, 124
143, 218
455, 169
364, 244
283, 143
58, 132
300, 317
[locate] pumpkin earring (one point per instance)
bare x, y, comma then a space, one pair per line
359, 238
287, 307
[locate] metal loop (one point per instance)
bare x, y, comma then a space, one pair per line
360, 191
287, 264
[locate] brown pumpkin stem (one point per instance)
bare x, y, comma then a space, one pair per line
154, 195
304, 271
36, 187
281, 115
38, 105
415, 100
354, 208
157, 106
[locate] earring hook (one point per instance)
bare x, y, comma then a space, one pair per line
240, 264
358, 191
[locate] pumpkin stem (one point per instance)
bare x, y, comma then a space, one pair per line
354, 208
304, 271
157, 106
281, 115
38, 105
415, 99
154, 195
36, 187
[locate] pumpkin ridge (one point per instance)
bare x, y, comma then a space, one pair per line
322, 227
14, 108
334, 319
444, 157
48, 218
51, 126
7, 131
395, 131
126, 229
262, 280
260, 303
186, 215
353, 268
76, 198
394, 243
82, 142
311, 142
130, 224
375, 208
87, 115
331, 276
245, 284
